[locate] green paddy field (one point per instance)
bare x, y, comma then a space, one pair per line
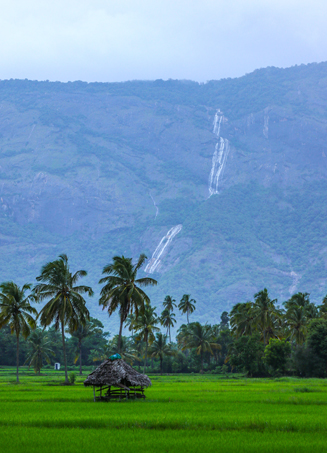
182, 413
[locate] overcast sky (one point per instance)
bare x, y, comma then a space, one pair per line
117, 40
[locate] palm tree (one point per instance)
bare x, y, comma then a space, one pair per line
169, 303
16, 311
297, 323
168, 320
242, 319
82, 332
302, 300
66, 306
159, 348
40, 350
145, 325
187, 305
266, 316
199, 337
129, 322
122, 290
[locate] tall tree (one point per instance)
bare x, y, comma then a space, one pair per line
169, 303
242, 319
40, 350
122, 290
168, 320
81, 333
66, 305
16, 311
160, 349
145, 326
187, 306
265, 315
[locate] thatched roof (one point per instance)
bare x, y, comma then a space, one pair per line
116, 372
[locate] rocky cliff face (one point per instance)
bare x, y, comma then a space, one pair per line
223, 185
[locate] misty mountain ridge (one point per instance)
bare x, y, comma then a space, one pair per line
223, 185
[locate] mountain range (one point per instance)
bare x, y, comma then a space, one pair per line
222, 185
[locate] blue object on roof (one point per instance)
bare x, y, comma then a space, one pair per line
114, 357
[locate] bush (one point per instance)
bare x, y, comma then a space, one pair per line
277, 354
305, 363
246, 354
72, 378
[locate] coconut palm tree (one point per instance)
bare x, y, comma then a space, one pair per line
168, 320
297, 321
160, 348
242, 319
169, 303
122, 290
81, 333
129, 322
187, 305
266, 316
145, 326
16, 311
40, 350
65, 305
199, 337
298, 300
302, 300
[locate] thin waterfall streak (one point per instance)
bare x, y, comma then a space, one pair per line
265, 130
218, 164
163, 244
217, 122
154, 203
31, 132
219, 156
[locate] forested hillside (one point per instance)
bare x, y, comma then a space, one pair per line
235, 170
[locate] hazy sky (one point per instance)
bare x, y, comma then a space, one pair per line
115, 40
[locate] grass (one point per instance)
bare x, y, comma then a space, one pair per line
181, 413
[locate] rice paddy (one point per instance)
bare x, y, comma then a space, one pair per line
188, 413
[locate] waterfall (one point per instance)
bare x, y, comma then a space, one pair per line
220, 155
163, 244
218, 162
217, 122
154, 203
265, 124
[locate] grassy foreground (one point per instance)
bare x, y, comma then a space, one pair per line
181, 413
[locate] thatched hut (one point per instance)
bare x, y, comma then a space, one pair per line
117, 380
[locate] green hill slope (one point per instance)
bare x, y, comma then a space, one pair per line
96, 169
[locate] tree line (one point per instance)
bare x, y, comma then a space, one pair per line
259, 338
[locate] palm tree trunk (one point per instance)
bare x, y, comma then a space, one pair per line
146, 352
161, 370
169, 335
187, 317
64, 350
120, 333
201, 371
80, 358
17, 359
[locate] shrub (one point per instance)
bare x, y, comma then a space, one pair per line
72, 378
277, 354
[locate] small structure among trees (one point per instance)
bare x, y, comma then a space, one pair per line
117, 380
